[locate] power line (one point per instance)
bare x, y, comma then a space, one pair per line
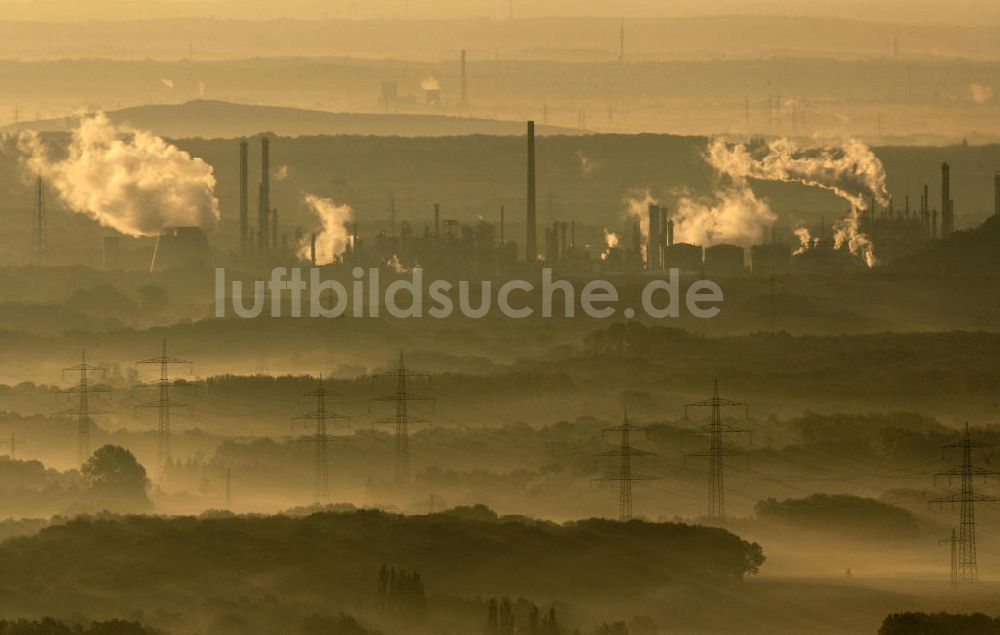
968, 568
163, 404
321, 416
84, 412
624, 474
402, 418
716, 449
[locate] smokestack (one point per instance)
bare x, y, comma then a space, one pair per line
653, 244
947, 206
502, 241
392, 215
312, 249
264, 202
243, 199
530, 247
274, 230
562, 240
463, 77
996, 192
572, 233
670, 232
437, 220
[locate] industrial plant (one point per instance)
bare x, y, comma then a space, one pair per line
548, 318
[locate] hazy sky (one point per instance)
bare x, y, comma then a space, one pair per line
962, 12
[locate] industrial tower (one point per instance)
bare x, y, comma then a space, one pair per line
717, 451
242, 191
164, 404
530, 244
321, 416
40, 232
264, 198
402, 418
624, 474
952, 542
83, 411
968, 569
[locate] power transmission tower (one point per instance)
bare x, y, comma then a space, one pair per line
952, 542
624, 474
12, 445
717, 451
84, 390
321, 416
968, 569
163, 404
39, 225
402, 418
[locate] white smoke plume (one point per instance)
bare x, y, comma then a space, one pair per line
611, 241
588, 167
130, 180
850, 170
333, 237
169, 83
638, 201
805, 239
980, 93
430, 83
733, 216
282, 173
201, 89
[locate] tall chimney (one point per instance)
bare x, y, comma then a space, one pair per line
572, 233
241, 193
996, 192
392, 215
264, 202
501, 225
437, 220
947, 211
530, 246
653, 244
274, 230
463, 77
312, 249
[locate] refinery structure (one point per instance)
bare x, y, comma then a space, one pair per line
643, 242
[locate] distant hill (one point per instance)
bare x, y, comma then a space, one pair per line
220, 119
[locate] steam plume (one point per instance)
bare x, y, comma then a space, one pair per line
333, 238
126, 179
849, 170
734, 215
638, 201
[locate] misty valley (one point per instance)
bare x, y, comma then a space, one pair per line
468, 318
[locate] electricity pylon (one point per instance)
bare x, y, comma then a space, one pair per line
38, 222
321, 416
968, 569
12, 444
402, 418
624, 473
163, 404
717, 451
84, 411
952, 542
